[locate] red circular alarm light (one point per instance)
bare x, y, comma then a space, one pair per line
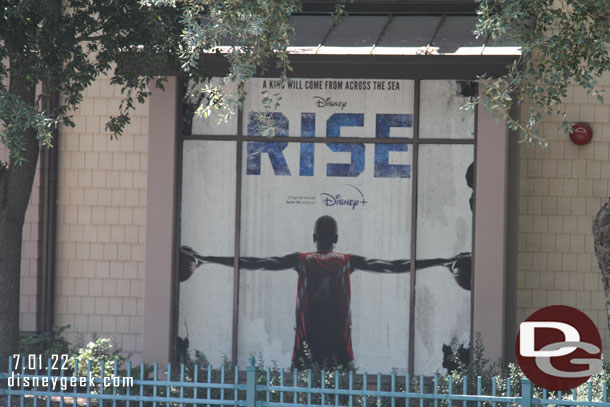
581, 134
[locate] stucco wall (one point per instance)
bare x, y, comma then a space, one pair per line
561, 189
101, 217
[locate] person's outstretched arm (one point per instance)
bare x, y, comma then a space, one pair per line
288, 261
394, 266
190, 260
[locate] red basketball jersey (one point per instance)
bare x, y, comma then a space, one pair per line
323, 318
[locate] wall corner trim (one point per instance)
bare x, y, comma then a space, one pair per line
160, 227
490, 231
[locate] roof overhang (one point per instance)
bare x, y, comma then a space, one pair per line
393, 35
379, 46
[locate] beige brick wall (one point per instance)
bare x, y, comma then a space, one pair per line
30, 271
101, 214
561, 189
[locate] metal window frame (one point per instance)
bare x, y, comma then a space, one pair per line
239, 138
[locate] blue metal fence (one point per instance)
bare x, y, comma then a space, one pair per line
190, 385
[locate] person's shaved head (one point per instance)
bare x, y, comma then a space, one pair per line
325, 232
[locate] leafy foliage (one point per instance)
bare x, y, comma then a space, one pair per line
18, 117
45, 344
253, 35
66, 45
562, 42
91, 357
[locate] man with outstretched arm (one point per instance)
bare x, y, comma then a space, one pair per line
323, 319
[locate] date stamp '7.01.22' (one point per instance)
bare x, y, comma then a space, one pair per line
29, 371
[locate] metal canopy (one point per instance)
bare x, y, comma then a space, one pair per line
393, 35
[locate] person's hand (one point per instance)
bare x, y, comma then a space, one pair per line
188, 262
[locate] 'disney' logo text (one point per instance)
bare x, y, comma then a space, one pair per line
328, 102
349, 200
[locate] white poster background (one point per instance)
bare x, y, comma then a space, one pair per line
444, 229
208, 225
443, 100
273, 224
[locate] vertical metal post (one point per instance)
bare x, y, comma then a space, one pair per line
414, 180
178, 152
526, 393
251, 384
237, 234
473, 236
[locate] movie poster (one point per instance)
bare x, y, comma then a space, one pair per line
325, 229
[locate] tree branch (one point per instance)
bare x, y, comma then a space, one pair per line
3, 177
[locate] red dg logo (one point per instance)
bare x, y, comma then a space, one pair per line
558, 348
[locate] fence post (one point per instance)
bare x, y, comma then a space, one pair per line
526, 392
251, 384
